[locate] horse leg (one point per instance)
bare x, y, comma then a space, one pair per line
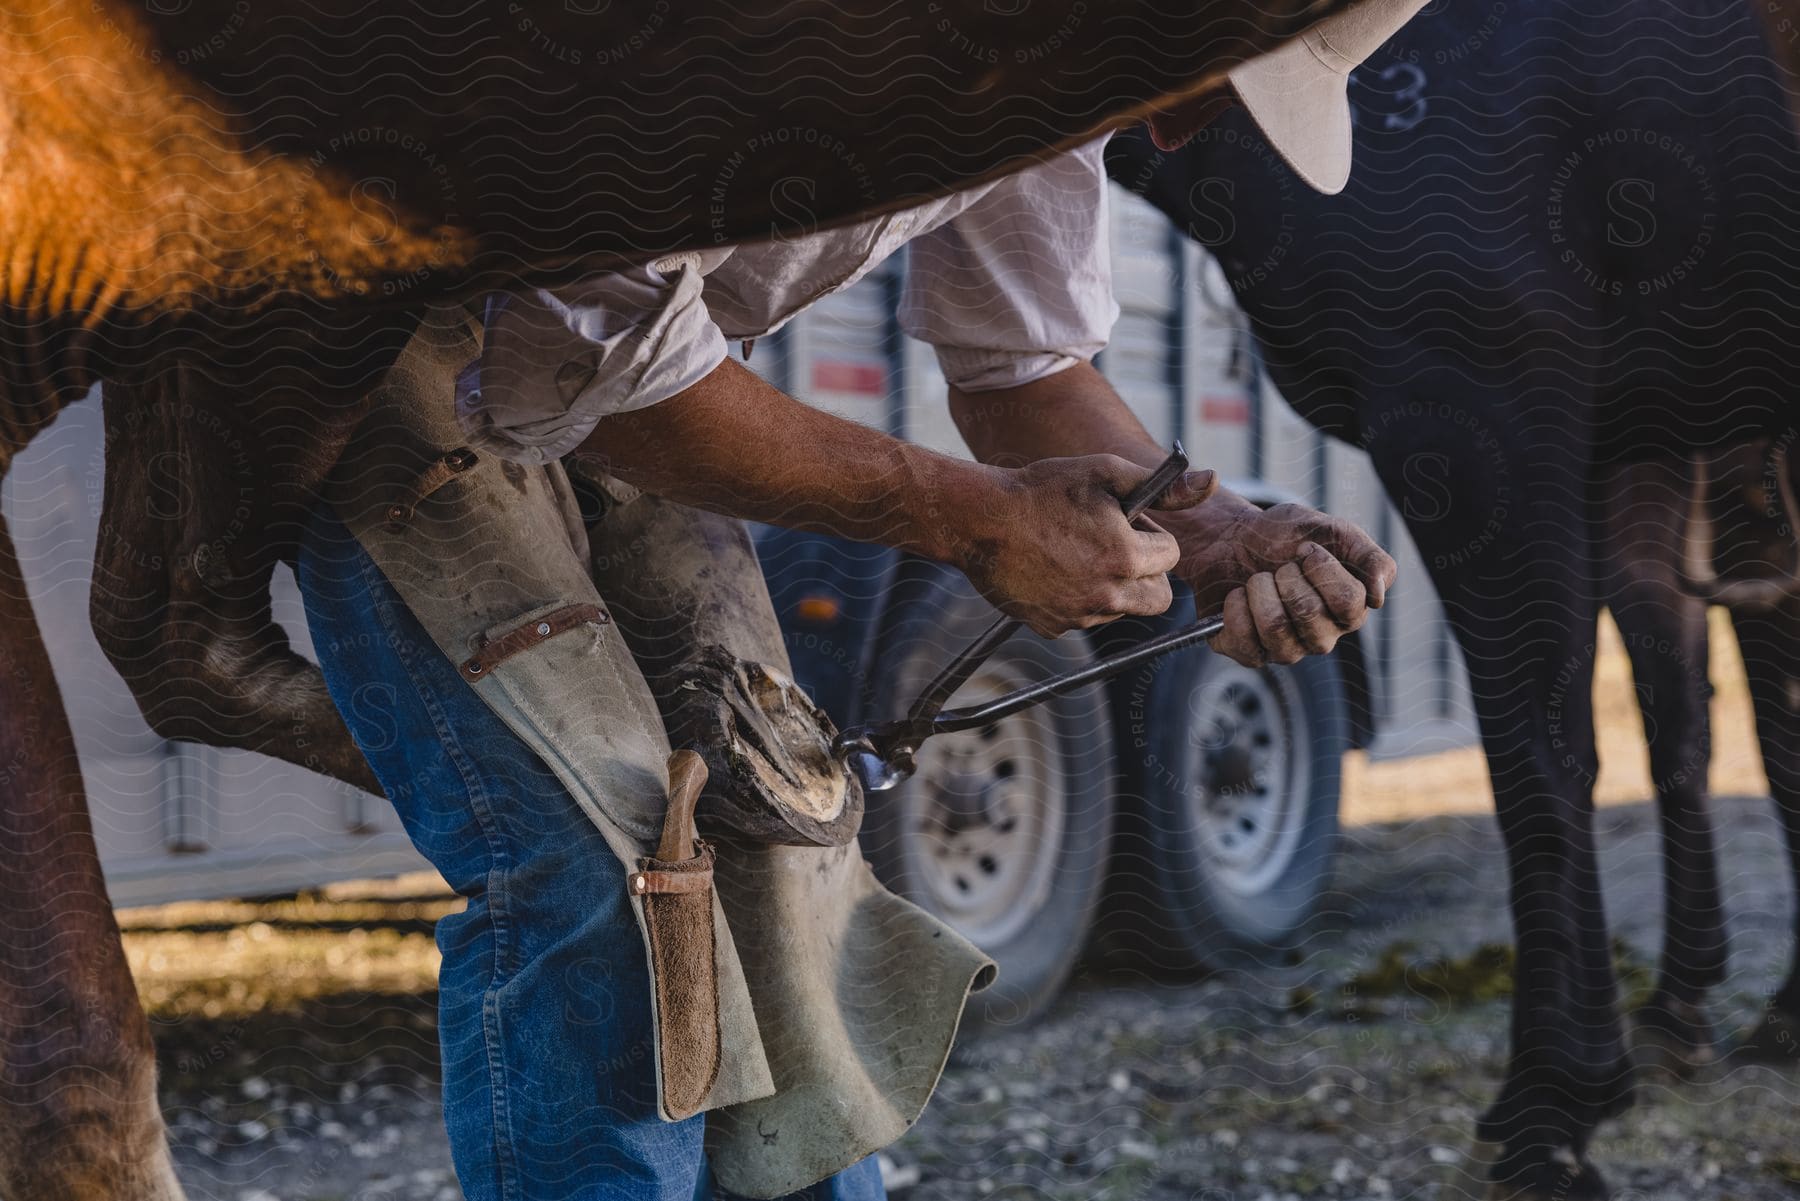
78, 1115
1490, 511
1568, 1070
1664, 631
1771, 649
213, 458
182, 567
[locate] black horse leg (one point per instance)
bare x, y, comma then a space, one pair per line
1664, 631
1510, 547
1569, 1069
1770, 641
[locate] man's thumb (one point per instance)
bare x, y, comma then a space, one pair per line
1189, 490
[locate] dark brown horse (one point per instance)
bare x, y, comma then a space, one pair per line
229, 213
1565, 265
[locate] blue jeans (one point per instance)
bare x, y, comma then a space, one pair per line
544, 1002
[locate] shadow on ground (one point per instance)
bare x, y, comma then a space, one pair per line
297, 1039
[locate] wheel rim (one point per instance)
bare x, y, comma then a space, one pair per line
986, 817
1246, 780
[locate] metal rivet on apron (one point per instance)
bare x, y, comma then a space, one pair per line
396, 514
543, 629
639, 883
473, 667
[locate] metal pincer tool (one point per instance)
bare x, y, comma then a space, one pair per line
880, 754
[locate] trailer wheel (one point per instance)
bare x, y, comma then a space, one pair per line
1239, 800
1003, 831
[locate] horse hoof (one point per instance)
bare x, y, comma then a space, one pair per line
1662, 1056
1775, 1041
1560, 1176
1671, 1041
1563, 1184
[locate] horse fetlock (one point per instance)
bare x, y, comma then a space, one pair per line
1787, 997
86, 1131
1671, 1039
1496, 1172
1775, 1040
1553, 1182
1542, 1107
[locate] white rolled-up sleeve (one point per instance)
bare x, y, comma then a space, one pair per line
1019, 285
555, 361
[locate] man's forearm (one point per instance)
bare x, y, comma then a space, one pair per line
1074, 412
734, 444
1045, 543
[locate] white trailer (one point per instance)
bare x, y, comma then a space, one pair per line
175, 820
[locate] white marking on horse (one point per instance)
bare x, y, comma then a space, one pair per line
1404, 85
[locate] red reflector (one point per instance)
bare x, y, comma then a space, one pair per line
839, 375
817, 608
1225, 410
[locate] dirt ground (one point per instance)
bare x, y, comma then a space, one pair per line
299, 1061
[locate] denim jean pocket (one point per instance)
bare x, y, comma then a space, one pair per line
677, 896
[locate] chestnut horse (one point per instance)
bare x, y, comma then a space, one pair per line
230, 213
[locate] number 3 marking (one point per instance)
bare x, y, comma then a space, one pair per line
1410, 93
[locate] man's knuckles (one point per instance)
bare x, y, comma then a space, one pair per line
1318, 637
1116, 563
1346, 601
1155, 595
1279, 644
1343, 594
1381, 577
1238, 643
1298, 596
1279, 640
1157, 558
1140, 597
1095, 602
1274, 626
1315, 558
1237, 640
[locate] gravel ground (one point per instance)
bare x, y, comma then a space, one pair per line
1353, 1073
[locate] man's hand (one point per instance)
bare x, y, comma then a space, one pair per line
1056, 552
1047, 542
1289, 580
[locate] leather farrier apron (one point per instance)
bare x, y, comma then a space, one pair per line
801, 1004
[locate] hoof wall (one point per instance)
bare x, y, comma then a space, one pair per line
1562, 1176
772, 776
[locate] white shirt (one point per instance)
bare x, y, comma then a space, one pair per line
1009, 281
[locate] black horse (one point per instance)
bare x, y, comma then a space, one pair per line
1565, 272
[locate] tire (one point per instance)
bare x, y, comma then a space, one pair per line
1003, 832
1234, 785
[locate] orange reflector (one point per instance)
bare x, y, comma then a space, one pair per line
817, 608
